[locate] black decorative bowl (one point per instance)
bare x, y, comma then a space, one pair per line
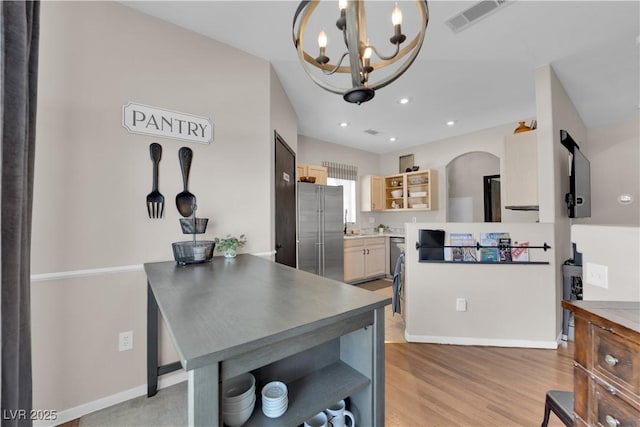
190, 252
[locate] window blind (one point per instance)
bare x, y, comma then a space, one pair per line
341, 171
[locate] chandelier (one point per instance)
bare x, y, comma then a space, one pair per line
364, 60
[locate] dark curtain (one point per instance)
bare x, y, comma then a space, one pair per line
18, 79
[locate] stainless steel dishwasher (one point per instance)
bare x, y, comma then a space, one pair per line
396, 247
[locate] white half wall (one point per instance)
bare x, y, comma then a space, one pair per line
508, 305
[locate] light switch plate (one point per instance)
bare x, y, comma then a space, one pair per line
597, 275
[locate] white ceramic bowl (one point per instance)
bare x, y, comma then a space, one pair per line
237, 406
239, 388
396, 193
236, 419
274, 391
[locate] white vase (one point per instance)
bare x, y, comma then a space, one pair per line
230, 253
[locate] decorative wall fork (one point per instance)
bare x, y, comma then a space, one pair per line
155, 200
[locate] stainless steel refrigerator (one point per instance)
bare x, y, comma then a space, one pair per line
321, 230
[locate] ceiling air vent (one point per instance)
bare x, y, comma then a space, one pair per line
371, 132
476, 12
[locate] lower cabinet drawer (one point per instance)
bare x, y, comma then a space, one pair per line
611, 411
616, 359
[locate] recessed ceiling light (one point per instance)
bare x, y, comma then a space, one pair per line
393, 139
404, 100
451, 122
344, 124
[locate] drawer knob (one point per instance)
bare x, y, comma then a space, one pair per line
611, 421
610, 360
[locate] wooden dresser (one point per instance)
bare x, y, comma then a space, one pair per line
607, 363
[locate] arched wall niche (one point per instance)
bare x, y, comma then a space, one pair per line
465, 186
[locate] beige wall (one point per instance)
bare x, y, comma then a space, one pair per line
315, 151
614, 154
91, 231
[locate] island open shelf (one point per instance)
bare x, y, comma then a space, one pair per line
321, 388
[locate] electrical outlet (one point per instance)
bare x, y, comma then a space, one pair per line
597, 275
125, 341
372, 220
461, 304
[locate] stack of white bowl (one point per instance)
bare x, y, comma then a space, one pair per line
275, 399
238, 399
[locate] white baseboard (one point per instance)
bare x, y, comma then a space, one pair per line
74, 413
491, 342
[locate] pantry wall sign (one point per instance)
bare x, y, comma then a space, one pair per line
146, 120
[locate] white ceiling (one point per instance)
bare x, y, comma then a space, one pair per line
480, 77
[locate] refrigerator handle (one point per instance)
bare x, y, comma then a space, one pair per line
320, 252
322, 192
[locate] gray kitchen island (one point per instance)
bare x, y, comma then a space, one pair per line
323, 338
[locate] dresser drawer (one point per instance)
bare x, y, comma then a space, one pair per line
616, 359
611, 411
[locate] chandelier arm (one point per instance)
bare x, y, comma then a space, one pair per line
403, 52
385, 58
328, 73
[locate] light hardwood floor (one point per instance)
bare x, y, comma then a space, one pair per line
431, 385
444, 385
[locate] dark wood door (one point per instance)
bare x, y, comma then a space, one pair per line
492, 203
285, 195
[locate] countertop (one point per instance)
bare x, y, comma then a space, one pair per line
230, 306
623, 313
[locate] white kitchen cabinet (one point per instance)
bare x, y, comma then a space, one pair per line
375, 260
354, 253
364, 258
521, 170
371, 193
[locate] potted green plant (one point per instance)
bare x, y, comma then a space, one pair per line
229, 244
382, 228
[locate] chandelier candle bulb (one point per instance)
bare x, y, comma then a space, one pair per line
396, 19
322, 39
396, 16
322, 43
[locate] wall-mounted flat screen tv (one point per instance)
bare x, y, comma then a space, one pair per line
578, 198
